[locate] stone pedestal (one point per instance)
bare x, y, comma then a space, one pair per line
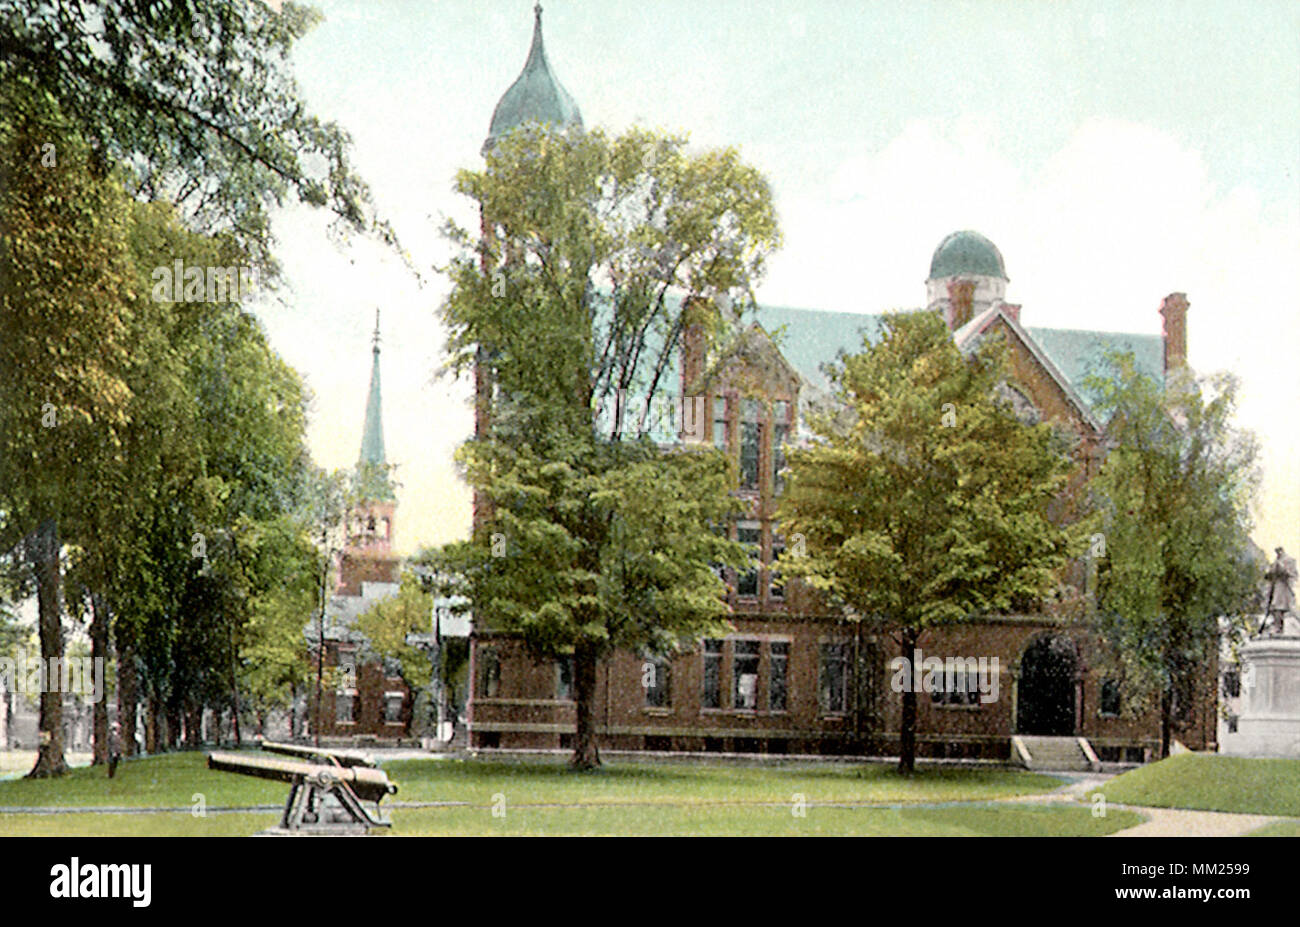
1270, 719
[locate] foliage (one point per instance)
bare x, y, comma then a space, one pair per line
1173, 504
386, 624
197, 98
588, 541
926, 502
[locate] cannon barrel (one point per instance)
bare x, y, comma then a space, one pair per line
367, 784
342, 757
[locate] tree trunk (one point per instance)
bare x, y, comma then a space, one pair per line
293, 714
173, 726
586, 753
151, 724
194, 727
907, 728
99, 657
1166, 709
45, 549
128, 691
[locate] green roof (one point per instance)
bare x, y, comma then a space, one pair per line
967, 252
372, 435
535, 96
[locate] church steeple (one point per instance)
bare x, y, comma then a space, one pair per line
372, 466
535, 96
372, 435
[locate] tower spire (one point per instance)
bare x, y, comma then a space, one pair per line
372, 435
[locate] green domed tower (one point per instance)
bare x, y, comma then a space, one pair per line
967, 276
535, 96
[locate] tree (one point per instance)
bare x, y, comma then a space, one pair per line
66, 285
572, 294
1172, 503
198, 98
923, 502
386, 624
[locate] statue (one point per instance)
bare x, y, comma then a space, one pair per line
1280, 601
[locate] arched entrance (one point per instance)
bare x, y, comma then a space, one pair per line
1046, 688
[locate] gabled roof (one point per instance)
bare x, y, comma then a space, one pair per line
968, 337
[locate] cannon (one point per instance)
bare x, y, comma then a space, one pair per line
321, 754
324, 797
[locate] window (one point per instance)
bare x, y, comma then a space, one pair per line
962, 688
744, 673
711, 697
490, 675
656, 678
780, 434
778, 675
751, 438
345, 706
775, 584
564, 679
1232, 683
833, 684
393, 707
1110, 697
747, 582
720, 424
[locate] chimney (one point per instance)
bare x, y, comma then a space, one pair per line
1012, 310
1174, 310
692, 347
961, 303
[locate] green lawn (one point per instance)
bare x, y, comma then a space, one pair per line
1278, 829
542, 796
172, 781
1000, 820
1210, 782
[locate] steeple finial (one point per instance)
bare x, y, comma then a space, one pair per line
376, 335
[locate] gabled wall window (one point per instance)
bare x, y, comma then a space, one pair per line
833, 678
776, 585
751, 442
564, 679
778, 675
711, 695
749, 534
345, 706
393, 702
656, 678
1110, 697
744, 673
489, 681
780, 435
720, 423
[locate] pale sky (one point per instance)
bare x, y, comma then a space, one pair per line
1115, 153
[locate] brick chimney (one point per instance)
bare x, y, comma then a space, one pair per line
692, 347
1174, 310
961, 303
1012, 310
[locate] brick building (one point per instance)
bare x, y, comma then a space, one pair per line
372, 701
789, 676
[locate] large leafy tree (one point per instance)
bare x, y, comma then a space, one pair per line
923, 500
67, 283
1173, 507
197, 98
573, 292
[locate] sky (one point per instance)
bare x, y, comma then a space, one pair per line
1115, 153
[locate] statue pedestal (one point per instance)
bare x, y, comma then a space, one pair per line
1270, 719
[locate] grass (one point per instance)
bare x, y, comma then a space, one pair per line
172, 781
999, 820
542, 796
1277, 829
1211, 782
